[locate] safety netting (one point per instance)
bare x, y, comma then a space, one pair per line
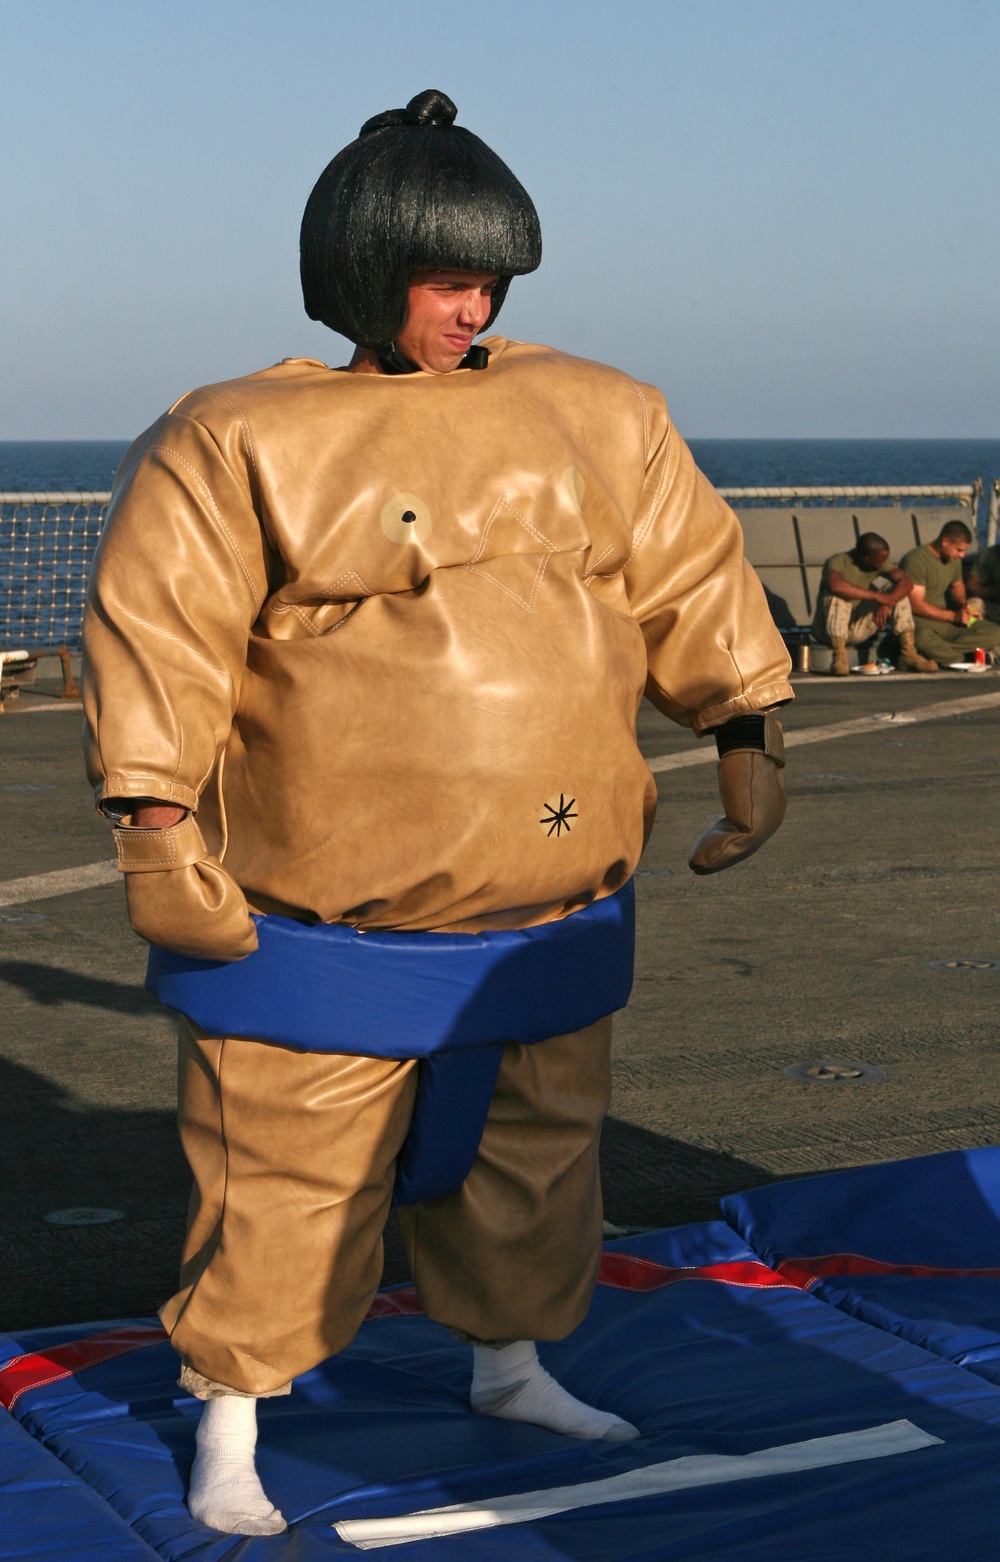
47, 545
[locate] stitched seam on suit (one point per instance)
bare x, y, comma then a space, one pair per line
223, 816
165, 450
593, 568
504, 504
642, 530
131, 776
528, 526
486, 532
180, 756
158, 859
244, 424
341, 580
645, 420
293, 607
529, 606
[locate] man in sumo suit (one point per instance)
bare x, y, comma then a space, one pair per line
365, 647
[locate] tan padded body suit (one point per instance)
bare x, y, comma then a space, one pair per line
389, 636
379, 629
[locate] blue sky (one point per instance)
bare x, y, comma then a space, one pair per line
782, 212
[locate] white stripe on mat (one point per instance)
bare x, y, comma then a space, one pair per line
42, 886
881, 721
876, 1442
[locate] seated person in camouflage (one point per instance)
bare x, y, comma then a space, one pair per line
982, 581
947, 622
861, 594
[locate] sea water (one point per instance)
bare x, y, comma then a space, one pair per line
38, 466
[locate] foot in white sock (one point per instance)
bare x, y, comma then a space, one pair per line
225, 1492
512, 1383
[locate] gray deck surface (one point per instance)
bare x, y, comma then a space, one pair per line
821, 946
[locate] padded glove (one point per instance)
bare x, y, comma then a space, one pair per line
180, 897
752, 789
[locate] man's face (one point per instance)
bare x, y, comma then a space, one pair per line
446, 311
876, 558
953, 548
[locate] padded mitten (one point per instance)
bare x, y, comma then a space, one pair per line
752, 789
180, 897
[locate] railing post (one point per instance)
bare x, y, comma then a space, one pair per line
994, 515
69, 688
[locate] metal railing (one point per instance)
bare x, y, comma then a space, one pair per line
48, 542
968, 494
790, 531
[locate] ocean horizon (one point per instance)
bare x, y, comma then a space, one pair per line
67, 465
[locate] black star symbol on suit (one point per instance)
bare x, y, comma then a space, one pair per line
558, 819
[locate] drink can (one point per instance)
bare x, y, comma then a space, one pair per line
980, 656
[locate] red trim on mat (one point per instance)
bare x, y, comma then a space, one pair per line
626, 1273
401, 1302
36, 1369
620, 1271
805, 1272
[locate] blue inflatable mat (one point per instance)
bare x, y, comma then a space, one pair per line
47, 1511
772, 1423
910, 1246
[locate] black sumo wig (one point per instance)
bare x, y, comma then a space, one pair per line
414, 192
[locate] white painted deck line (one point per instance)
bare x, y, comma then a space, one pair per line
14, 708
818, 1453
64, 881
881, 721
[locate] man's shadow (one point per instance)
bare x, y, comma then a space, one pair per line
650, 1179
58, 1153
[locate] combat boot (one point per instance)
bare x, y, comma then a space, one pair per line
910, 660
838, 666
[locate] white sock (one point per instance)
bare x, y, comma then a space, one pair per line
225, 1492
512, 1383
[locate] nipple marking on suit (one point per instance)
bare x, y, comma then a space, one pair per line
572, 487
405, 518
557, 816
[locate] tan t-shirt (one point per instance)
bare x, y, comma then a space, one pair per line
926, 569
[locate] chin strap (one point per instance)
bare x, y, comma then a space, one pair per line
392, 361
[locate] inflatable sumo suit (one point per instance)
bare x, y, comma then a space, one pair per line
386, 636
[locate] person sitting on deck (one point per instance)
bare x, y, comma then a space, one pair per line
948, 622
982, 581
860, 595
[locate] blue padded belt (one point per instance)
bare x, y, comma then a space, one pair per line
449, 999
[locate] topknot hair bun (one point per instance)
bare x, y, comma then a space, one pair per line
427, 108
431, 108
